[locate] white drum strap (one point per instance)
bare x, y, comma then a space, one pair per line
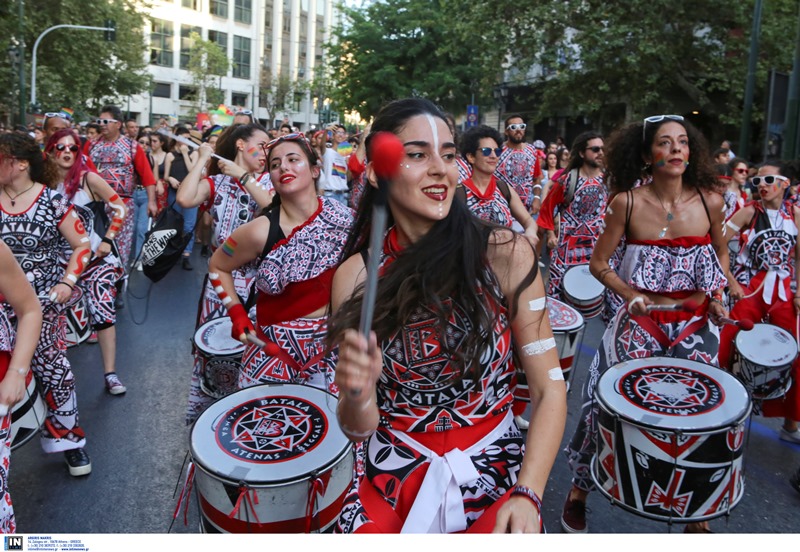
439, 505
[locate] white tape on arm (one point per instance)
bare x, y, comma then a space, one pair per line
539, 347
538, 304
732, 226
556, 374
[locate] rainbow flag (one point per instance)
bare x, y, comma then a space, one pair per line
67, 111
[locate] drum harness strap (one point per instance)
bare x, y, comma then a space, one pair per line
651, 327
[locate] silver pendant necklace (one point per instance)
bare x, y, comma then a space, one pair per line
669, 217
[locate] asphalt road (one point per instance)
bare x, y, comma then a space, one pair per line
138, 442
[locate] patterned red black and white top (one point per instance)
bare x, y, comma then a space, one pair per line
767, 243
490, 205
519, 168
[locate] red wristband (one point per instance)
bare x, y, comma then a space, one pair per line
241, 322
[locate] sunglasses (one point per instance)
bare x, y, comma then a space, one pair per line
63, 147
293, 137
517, 126
595, 149
769, 179
742, 171
105, 121
657, 119
488, 151
57, 114
244, 112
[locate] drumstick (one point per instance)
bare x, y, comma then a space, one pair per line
686, 306
743, 324
186, 141
386, 153
269, 347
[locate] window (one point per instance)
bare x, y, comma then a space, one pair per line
219, 8
187, 43
239, 99
162, 90
191, 4
220, 39
186, 92
243, 11
161, 33
241, 57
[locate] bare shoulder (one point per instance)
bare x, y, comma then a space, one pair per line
511, 258
714, 201
349, 275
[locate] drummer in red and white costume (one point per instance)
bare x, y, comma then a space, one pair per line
296, 246
233, 193
520, 166
767, 264
486, 197
443, 452
675, 251
17, 300
33, 222
581, 216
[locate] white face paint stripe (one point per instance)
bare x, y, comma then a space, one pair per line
539, 347
72, 278
435, 133
84, 240
538, 304
556, 374
120, 209
226, 301
213, 275
733, 226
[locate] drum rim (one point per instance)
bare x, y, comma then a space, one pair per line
572, 269
34, 398
774, 327
201, 346
581, 320
633, 364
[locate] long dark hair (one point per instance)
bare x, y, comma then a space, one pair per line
226, 143
445, 268
20, 145
626, 149
72, 180
312, 156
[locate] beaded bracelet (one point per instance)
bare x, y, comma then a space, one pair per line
530, 494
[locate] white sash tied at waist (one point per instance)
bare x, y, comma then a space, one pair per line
439, 505
775, 275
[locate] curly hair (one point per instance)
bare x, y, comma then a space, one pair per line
626, 149
444, 269
20, 145
471, 139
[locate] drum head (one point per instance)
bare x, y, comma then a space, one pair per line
581, 286
563, 318
673, 393
767, 345
214, 338
268, 434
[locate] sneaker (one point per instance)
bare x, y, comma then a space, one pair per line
522, 423
113, 385
573, 517
78, 462
92, 337
790, 436
185, 264
205, 251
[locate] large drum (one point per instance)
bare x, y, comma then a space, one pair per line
568, 326
583, 291
28, 415
221, 357
763, 360
670, 439
77, 314
271, 459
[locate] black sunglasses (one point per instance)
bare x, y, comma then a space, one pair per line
595, 149
488, 151
72, 147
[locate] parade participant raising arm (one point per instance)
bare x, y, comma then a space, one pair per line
101, 280
298, 245
17, 300
675, 252
443, 273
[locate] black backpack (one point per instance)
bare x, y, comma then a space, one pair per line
164, 244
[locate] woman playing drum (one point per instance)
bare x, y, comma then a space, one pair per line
233, 194
33, 222
17, 298
297, 245
761, 284
673, 227
101, 280
455, 296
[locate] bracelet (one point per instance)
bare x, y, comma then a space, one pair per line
637, 299
106, 240
68, 285
20, 371
530, 494
716, 300
244, 179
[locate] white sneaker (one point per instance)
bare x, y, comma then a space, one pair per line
522, 423
790, 436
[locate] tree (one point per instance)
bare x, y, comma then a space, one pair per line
207, 63
77, 68
398, 48
279, 93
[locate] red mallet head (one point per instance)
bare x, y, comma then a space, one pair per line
386, 152
745, 324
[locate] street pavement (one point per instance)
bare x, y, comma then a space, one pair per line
138, 442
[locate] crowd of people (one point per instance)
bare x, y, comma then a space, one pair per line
682, 239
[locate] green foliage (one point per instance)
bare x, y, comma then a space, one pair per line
207, 61
279, 93
77, 68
